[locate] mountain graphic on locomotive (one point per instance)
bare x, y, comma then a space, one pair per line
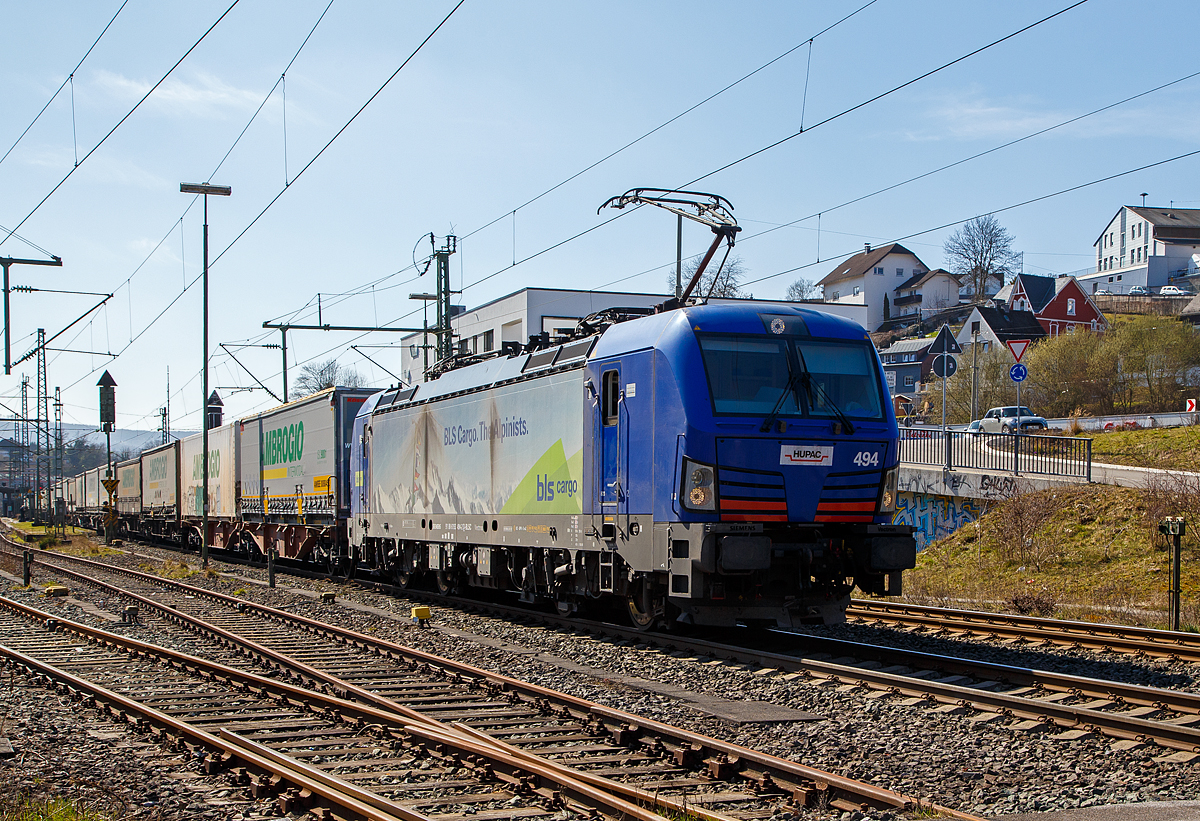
714, 464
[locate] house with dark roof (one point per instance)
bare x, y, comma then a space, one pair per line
993, 327
906, 364
1146, 246
870, 278
1059, 303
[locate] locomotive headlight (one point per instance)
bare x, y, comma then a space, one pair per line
698, 491
887, 499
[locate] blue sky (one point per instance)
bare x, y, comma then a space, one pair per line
508, 100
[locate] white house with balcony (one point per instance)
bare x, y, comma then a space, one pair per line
871, 278
925, 292
1146, 246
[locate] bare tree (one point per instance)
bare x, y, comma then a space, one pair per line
981, 250
800, 290
317, 376
728, 282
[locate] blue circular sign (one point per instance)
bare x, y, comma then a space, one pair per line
1018, 372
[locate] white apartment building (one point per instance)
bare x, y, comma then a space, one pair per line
1151, 247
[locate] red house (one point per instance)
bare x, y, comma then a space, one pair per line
1059, 303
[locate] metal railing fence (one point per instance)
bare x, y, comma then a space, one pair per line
1009, 452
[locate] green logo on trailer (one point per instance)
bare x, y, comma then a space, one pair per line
283, 445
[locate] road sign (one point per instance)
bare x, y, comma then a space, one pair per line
1018, 348
110, 485
1191, 406
945, 342
945, 365
1018, 372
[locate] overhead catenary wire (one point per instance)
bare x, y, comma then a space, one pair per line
1003, 209
341, 130
277, 196
120, 122
180, 224
792, 136
70, 78
887, 93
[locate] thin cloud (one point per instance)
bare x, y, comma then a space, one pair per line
970, 115
203, 95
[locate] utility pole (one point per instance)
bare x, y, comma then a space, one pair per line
60, 505
284, 328
165, 412
445, 344
6, 263
23, 440
43, 425
974, 374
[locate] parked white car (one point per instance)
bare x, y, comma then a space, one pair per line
1139, 290
1005, 420
1172, 290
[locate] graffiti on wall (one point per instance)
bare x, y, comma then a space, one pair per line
934, 516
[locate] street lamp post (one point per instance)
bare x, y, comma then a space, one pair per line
219, 191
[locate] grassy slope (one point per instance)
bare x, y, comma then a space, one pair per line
1169, 448
1097, 556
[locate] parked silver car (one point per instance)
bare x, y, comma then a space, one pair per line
1005, 420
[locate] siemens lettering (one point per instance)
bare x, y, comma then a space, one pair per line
485, 431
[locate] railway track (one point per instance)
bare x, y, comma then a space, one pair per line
607, 749
1028, 700
1137, 641
276, 738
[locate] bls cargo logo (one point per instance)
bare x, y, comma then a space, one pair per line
805, 455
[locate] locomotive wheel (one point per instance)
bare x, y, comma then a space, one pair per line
404, 578
447, 582
645, 610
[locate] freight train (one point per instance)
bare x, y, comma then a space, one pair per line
709, 465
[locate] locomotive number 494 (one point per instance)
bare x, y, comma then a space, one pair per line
867, 458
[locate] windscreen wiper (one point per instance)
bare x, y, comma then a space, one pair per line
810, 384
793, 378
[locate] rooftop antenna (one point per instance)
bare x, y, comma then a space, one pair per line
710, 209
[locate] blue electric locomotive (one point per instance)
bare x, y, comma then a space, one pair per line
715, 464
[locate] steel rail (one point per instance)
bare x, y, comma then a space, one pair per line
750, 764
1115, 725
426, 730
334, 790
1095, 636
1020, 705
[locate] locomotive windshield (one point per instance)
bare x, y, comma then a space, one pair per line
747, 375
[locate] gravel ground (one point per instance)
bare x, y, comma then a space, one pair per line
64, 752
986, 769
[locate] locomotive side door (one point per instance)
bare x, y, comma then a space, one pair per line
610, 439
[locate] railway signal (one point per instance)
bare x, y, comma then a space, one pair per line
108, 422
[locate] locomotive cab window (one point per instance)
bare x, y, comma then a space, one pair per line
610, 394
752, 375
